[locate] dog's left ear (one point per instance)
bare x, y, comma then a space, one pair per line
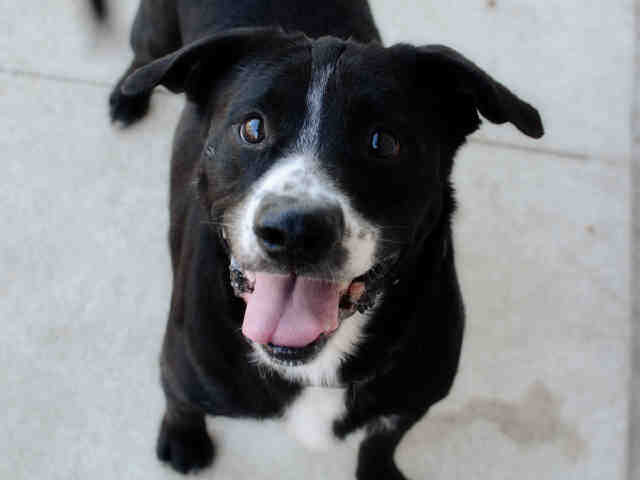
218, 52
493, 100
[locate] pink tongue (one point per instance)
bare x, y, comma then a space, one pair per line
290, 311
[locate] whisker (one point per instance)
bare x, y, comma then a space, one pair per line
395, 242
392, 227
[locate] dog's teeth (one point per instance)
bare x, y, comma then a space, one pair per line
356, 291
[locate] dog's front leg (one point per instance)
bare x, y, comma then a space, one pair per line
183, 441
375, 459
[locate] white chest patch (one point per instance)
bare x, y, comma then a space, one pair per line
311, 416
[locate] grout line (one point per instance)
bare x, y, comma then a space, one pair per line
53, 77
537, 150
633, 446
64, 79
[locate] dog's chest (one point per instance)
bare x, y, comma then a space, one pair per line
311, 416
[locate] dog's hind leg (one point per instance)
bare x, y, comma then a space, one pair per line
155, 33
183, 441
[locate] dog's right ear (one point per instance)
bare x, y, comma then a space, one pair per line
456, 76
219, 50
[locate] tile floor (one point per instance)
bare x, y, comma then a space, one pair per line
542, 236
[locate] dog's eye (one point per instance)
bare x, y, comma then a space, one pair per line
252, 130
383, 144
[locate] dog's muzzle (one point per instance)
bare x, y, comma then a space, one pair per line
295, 302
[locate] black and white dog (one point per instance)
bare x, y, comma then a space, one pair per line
310, 218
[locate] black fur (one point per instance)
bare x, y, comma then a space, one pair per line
232, 58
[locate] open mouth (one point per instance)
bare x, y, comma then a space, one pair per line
292, 317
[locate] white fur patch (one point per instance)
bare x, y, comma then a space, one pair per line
311, 416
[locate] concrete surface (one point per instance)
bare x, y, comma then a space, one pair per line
634, 437
543, 240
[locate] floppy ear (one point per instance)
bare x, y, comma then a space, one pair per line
492, 99
220, 51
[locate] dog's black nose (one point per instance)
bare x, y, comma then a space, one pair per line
295, 232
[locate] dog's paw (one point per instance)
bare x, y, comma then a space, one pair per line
127, 109
185, 449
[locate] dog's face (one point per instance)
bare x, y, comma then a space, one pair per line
325, 162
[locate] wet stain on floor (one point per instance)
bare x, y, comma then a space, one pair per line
533, 421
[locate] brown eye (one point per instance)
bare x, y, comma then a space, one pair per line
252, 130
383, 144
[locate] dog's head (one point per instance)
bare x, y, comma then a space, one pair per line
325, 161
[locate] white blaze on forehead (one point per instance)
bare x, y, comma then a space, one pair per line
308, 139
